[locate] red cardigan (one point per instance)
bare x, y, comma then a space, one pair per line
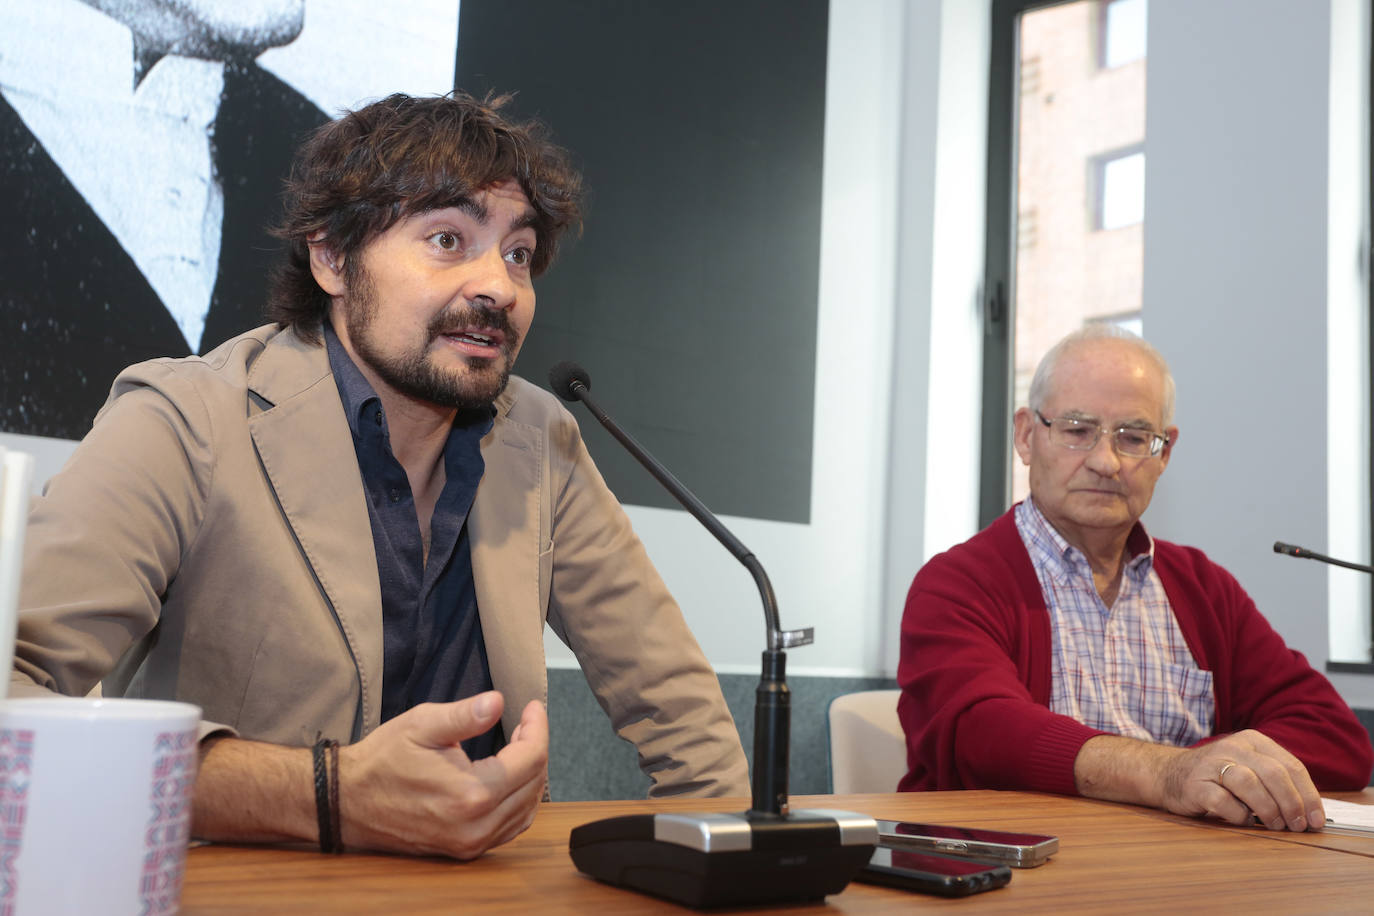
975, 673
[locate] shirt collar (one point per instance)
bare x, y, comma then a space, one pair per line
354, 388
1059, 555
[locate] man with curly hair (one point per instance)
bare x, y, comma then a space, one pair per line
341, 534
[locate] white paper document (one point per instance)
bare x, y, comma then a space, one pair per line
1348, 815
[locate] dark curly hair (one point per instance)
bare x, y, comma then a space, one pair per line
356, 177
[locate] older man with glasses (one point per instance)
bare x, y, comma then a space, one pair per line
1063, 649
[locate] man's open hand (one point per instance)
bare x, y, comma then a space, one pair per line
408, 786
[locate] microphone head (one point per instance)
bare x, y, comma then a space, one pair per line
1289, 549
565, 378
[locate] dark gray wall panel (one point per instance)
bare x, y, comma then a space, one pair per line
691, 298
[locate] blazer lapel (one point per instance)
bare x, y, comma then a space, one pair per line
306, 450
506, 532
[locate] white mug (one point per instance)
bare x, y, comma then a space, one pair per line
95, 804
15, 470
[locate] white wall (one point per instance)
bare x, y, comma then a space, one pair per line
1236, 283
48, 455
939, 309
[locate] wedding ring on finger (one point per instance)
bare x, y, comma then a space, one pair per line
1222, 774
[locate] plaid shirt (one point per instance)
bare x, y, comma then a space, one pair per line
1125, 669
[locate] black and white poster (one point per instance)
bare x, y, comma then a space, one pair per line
143, 144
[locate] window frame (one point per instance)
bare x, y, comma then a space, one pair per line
999, 270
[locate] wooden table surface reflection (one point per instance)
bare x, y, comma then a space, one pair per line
1113, 858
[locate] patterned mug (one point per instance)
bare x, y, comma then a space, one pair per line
95, 804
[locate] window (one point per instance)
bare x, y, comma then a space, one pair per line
1119, 183
1122, 35
1066, 198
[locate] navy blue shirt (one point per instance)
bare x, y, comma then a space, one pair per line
432, 635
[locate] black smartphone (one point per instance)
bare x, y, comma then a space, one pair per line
1019, 850
931, 874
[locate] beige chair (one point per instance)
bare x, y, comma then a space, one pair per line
867, 747
15, 470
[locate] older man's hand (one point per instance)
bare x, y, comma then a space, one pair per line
1242, 774
1231, 778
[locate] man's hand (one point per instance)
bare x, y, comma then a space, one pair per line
1230, 778
1242, 774
408, 786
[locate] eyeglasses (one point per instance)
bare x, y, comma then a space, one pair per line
1083, 435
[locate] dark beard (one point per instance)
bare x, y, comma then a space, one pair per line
414, 373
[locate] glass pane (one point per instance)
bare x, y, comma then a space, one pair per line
1080, 178
1123, 191
1123, 32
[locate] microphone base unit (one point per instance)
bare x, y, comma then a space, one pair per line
739, 859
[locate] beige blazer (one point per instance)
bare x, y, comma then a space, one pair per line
209, 541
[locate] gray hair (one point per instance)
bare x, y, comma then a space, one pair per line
1044, 373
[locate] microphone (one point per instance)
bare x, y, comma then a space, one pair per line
768, 854
1295, 551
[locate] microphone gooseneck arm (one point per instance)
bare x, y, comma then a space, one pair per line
576, 388
772, 699
1293, 550
692, 504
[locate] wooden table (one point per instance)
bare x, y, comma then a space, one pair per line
1112, 858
